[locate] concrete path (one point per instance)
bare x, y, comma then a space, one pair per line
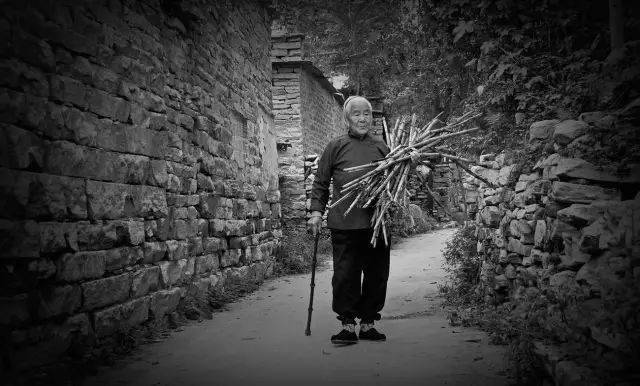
261, 341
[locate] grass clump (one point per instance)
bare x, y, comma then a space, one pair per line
295, 252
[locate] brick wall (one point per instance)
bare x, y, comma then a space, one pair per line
286, 109
321, 114
137, 163
307, 116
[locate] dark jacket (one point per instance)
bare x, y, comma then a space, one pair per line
345, 151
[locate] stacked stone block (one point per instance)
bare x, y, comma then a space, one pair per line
567, 224
138, 164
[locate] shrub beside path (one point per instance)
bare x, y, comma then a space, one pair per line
260, 340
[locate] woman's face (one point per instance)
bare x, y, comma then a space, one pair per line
359, 117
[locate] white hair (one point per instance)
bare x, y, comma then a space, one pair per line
346, 108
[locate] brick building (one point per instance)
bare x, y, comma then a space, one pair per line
138, 164
307, 114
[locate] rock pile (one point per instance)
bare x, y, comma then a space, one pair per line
567, 227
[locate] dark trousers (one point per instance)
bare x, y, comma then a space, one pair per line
360, 274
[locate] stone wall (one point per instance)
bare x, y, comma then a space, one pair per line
138, 163
564, 230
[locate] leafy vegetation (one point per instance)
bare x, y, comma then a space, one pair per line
601, 332
294, 255
519, 61
463, 265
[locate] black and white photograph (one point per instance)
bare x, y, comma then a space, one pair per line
308, 192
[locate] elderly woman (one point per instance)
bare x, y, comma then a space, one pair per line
360, 271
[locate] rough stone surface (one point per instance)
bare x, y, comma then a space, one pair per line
542, 130
491, 216
103, 292
579, 168
567, 131
164, 302
578, 193
144, 281
121, 317
116, 120
565, 230
80, 266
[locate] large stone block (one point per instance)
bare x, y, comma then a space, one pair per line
130, 232
507, 175
80, 266
145, 280
109, 106
174, 272
68, 159
59, 236
223, 228
567, 131
121, 317
114, 201
579, 168
491, 216
540, 235
207, 263
542, 130
164, 302
154, 251
490, 175
107, 291
96, 236
576, 193
210, 205
580, 215
214, 244
42, 196
122, 257
519, 228
69, 90
177, 250
514, 245
239, 242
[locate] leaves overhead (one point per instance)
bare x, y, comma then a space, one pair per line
534, 58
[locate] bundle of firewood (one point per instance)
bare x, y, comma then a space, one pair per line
385, 184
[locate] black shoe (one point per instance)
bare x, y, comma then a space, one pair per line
344, 336
372, 334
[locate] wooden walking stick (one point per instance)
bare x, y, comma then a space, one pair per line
313, 282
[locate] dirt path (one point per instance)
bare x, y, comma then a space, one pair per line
261, 341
